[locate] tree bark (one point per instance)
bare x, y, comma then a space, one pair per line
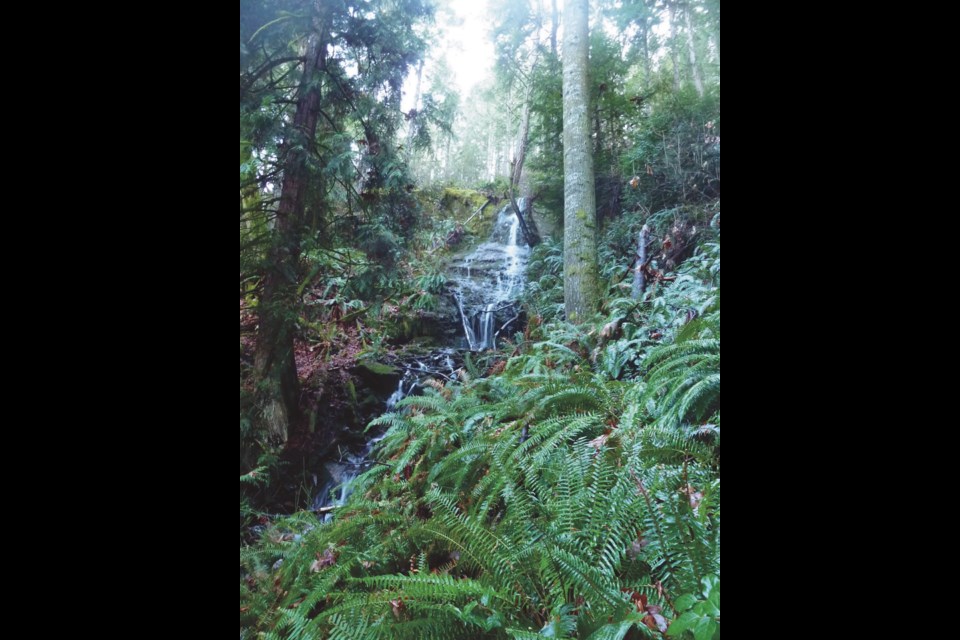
640, 276
581, 280
530, 236
275, 364
520, 155
691, 45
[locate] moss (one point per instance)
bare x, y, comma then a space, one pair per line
379, 368
453, 197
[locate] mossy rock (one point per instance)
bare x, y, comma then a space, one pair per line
378, 368
465, 197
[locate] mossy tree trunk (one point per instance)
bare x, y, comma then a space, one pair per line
580, 201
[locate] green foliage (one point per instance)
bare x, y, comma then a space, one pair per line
545, 501
676, 154
699, 613
544, 291
317, 259
568, 490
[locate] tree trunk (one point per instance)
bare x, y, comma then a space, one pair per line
275, 364
529, 235
416, 104
447, 159
691, 45
640, 276
648, 73
598, 131
581, 281
713, 8
674, 58
554, 26
519, 157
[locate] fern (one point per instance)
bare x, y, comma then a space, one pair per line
542, 501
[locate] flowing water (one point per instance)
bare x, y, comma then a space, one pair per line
441, 364
487, 284
489, 281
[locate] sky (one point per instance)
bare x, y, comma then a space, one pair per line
464, 38
467, 47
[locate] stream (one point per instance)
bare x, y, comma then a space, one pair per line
486, 284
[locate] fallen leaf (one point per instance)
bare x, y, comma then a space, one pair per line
656, 622
328, 559
641, 601
696, 497
600, 442
611, 330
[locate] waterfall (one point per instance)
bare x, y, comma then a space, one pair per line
488, 283
342, 473
490, 280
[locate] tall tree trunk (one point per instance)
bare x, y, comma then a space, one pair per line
714, 9
275, 364
691, 45
581, 281
554, 26
520, 151
519, 157
645, 35
597, 132
416, 103
447, 160
674, 58
489, 163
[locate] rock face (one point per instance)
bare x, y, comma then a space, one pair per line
441, 324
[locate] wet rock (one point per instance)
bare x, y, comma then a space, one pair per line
379, 377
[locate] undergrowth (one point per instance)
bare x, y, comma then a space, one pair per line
571, 490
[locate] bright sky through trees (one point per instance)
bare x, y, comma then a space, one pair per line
463, 39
